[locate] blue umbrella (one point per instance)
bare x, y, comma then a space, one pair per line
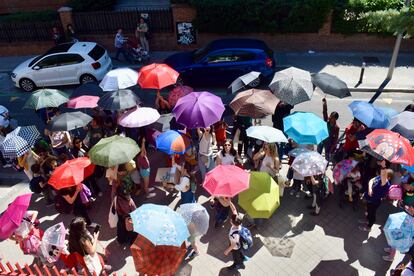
305, 128
369, 115
409, 169
399, 231
173, 142
160, 224
390, 112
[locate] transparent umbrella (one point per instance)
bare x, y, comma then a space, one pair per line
197, 215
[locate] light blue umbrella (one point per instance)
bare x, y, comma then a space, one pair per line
305, 128
369, 115
267, 134
399, 231
390, 112
160, 224
409, 169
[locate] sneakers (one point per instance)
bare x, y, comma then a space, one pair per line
362, 221
107, 267
388, 249
93, 225
193, 255
7, 166
297, 195
388, 258
364, 228
150, 195
236, 267
292, 192
245, 258
151, 189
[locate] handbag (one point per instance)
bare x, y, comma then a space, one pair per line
128, 224
93, 263
113, 216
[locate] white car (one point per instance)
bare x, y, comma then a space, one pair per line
67, 63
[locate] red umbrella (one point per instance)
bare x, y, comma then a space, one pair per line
83, 102
226, 180
177, 93
11, 219
159, 260
71, 173
391, 146
157, 76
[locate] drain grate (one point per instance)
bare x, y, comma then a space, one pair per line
370, 59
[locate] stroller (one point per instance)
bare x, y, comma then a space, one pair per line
136, 52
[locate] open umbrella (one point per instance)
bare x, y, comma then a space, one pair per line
14, 146
11, 219
331, 85
83, 102
118, 100
113, 151
28, 133
53, 242
369, 115
178, 92
163, 123
119, 78
198, 109
292, 85
139, 117
403, 123
262, 198
296, 151
250, 79
391, 146
160, 224
196, 217
254, 103
4, 116
390, 112
46, 97
342, 169
68, 121
173, 142
150, 259
87, 89
409, 168
157, 76
71, 173
399, 231
267, 134
305, 128
310, 163
226, 180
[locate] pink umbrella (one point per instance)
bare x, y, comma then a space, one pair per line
226, 180
11, 219
84, 102
177, 93
139, 117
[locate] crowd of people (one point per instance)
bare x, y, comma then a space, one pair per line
370, 179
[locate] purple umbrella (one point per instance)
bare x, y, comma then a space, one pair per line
198, 109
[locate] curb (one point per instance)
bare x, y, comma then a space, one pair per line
385, 90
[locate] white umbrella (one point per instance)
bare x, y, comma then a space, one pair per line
120, 78
310, 163
249, 79
197, 215
267, 134
4, 117
139, 117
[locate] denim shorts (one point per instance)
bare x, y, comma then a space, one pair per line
144, 172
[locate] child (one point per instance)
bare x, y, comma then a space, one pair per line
354, 180
220, 129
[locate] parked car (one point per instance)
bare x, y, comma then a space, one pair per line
222, 61
67, 63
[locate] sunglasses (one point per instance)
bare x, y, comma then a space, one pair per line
51, 253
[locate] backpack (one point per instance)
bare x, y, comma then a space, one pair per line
34, 184
246, 239
395, 192
30, 245
62, 206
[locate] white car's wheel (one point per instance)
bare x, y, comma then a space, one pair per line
87, 78
27, 85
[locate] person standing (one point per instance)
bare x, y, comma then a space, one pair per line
57, 36
141, 33
240, 124
333, 130
119, 45
377, 190
205, 151
235, 246
282, 110
124, 206
145, 170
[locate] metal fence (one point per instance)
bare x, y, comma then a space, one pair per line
27, 31
107, 22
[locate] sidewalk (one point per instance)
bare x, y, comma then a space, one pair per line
345, 65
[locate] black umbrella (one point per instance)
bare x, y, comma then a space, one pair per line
89, 88
69, 121
163, 123
331, 85
118, 100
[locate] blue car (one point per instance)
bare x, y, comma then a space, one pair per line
222, 61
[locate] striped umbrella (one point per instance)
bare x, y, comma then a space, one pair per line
118, 100
14, 146
43, 98
254, 103
28, 133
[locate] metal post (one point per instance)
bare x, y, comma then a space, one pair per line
361, 75
392, 62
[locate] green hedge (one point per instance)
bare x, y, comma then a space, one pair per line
235, 16
48, 15
91, 5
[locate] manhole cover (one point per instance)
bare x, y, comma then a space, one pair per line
370, 59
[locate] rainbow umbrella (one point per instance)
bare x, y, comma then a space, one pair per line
11, 219
342, 169
177, 93
173, 142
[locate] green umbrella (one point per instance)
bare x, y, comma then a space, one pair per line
262, 198
43, 98
113, 150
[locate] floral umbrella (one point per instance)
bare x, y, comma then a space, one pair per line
178, 92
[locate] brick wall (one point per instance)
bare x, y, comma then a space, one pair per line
11, 6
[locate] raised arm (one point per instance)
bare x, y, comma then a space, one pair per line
325, 109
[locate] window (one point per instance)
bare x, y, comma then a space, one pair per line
48, 62
243, 56
223, 56
68, 59
97, 52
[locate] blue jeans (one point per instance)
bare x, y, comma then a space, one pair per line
123, 52
203, 168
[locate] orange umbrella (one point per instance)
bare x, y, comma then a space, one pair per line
161, 260
157, 76
71, 173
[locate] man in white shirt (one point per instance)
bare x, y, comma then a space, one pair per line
235, 247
